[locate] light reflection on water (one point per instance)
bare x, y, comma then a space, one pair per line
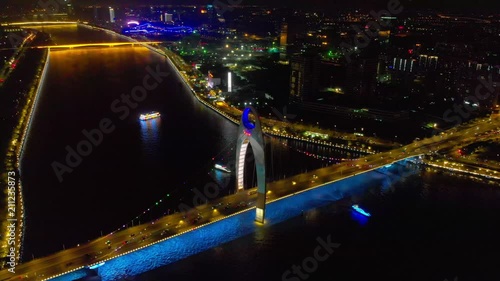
150, 135
414, 222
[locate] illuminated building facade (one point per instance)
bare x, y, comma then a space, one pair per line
283, 40
69, 8
111, 15
212, 81
169, 17
428, 62
304, 78
251, 133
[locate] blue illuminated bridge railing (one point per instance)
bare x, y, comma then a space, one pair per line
237, 225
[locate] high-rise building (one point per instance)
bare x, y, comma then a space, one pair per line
111, 15
496, 106
304, 78
212, 14
168, 17
428, 62
283, 40
69, 8
212, 81
404, 64
361, 76
369, 76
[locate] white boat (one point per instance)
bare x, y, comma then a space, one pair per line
222, 168
151, 115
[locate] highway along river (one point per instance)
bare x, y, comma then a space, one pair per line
136, 164
429, 226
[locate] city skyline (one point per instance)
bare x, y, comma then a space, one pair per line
480, 5
342, 141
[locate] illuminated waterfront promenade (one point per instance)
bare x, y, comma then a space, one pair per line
15, 153
233, 115
336, 139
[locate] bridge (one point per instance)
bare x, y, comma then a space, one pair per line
268, 124
131, 241
73, 263
106, 44
66, 263
477, 20
29, 23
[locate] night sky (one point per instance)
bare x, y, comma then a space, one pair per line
319, 4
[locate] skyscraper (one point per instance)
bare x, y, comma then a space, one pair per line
369, 76
69, 8
283, 40
169, 17
111, 15
304, 78
212, 14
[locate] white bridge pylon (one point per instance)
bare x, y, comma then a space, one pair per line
251, 133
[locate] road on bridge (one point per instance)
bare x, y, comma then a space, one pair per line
134, 238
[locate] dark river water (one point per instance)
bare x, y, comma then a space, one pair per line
429, 226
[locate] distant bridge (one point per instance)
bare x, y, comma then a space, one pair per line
108, 44
38, 23
477, 20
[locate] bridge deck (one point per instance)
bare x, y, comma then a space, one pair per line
172, 225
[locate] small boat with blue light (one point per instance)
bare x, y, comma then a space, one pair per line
360, 210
